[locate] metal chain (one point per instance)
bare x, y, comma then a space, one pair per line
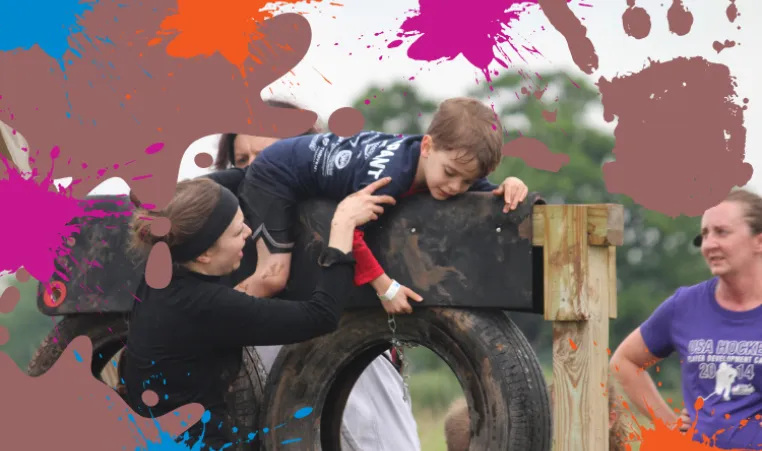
397, 345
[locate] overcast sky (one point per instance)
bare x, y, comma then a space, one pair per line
617, 52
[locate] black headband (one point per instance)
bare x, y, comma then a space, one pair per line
213, 228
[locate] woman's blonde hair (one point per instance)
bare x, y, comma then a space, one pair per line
189, 209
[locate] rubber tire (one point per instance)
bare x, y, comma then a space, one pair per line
108, 334
500, 374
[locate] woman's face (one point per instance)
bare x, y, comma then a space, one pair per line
247, 147
225, 255
727, 242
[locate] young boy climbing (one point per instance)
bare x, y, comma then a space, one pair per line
460, 148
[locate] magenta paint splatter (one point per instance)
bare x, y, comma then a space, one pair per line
444, 29
39, 222
153, 148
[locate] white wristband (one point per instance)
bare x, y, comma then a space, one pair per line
391, 292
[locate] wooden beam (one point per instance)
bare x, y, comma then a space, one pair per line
579, 286
605, 224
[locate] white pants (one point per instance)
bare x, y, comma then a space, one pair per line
376, 417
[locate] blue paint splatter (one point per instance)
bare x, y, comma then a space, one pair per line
51, 30
77, 356
168, 443
303, 412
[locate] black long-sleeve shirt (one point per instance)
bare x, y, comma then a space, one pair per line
185, 341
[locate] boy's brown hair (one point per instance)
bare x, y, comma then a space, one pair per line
471, 127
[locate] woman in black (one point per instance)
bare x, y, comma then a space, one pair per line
186, 340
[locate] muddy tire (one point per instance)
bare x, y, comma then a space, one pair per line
499, 372
108, 334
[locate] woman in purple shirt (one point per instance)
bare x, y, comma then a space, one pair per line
716, 328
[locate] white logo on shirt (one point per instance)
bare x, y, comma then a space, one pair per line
723, 382
342, 159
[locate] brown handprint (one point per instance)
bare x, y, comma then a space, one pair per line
680, 137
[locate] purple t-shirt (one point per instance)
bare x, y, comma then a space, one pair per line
721, 361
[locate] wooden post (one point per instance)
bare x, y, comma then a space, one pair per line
580, 296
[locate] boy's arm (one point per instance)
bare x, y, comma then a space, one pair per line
367, 268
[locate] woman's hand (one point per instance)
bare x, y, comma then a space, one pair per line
363, 206
355, 210
685, 421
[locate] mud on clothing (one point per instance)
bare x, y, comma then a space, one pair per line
185, 341
331, 167
721, 362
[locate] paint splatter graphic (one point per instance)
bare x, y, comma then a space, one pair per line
679, 124
445, 29
202, 28
40, 222
84, 409
123, 95
535, 154
51, 30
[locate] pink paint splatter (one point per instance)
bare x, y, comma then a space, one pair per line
38, 222
476, 30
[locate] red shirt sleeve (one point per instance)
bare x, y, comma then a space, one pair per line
367, 267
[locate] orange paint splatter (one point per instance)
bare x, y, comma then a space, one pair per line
663, 437
127, 96
608, 351
572, 344
202, 28
327, 80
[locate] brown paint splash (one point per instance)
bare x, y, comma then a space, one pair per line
720, 46
159, 266
156, 104
9, 299
346, 121
160, 226
673, 118
636, 21
580, 46
203, 160
550, 116
680, 18
535, 154
4, 336
165, 112
22, 275
150, 398
69, 402
732, 11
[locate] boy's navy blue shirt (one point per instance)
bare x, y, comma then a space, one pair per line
333, 167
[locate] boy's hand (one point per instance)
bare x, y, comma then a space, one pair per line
514, 191
399, 304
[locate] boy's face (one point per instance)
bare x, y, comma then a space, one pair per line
447, 172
